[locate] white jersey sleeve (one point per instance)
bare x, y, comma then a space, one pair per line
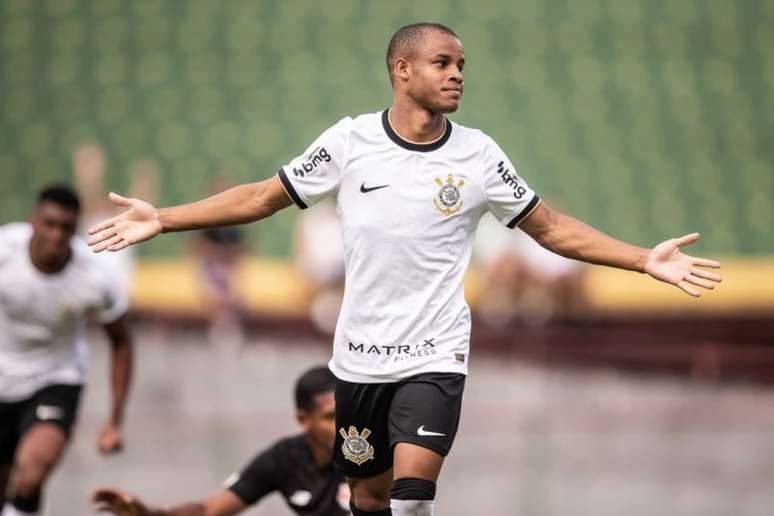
508, 196
316, 173
114, 303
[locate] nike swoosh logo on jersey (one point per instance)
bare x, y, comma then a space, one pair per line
366, 189
421, 431
48, 412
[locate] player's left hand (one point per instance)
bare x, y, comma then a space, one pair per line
666, 263
110, 440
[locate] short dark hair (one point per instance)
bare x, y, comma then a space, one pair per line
407, 39
317, 380
62, 195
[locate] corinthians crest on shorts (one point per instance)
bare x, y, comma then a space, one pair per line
448, 199
355, 446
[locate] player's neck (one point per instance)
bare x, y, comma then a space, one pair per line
47, 265
416, 124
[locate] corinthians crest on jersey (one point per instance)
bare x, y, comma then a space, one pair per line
448, 200
355, 446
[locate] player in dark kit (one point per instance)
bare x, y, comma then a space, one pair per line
298, 467
411, 186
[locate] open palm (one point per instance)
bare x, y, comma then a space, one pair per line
138, 223
666, 263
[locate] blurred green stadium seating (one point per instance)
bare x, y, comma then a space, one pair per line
646, 118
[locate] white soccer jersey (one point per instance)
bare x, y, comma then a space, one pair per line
42, 316
409, 212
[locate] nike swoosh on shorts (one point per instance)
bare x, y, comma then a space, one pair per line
421, 431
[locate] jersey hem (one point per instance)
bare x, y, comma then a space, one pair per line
18, 398
395, 378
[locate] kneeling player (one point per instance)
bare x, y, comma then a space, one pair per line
299, 467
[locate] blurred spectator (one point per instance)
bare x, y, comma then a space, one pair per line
523, 281
218, 254
89, 174
318, 251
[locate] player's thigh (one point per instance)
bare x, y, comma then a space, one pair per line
40, 449
425, 413
362, 447
414, 461
45, 426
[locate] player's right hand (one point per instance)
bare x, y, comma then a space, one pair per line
115, 501
138, 223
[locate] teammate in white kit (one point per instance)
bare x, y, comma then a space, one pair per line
410, 187
49, 286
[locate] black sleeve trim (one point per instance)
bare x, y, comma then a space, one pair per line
290, 190
241, 493
526, 211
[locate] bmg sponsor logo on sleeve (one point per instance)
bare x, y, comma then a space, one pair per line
511, 180
313, 160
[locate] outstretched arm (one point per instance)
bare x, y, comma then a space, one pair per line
142, 221
572, 238
120, 503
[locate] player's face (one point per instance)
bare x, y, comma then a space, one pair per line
53, 226
435, 73
320, 422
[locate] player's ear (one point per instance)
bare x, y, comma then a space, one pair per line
302, 416
400, 69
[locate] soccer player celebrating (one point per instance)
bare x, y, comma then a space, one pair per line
299, 467
411, 186
49, 285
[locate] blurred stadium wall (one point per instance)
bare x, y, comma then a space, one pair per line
645, 118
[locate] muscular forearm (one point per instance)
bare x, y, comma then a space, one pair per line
115, 501
223, 503
239, 205
572, 238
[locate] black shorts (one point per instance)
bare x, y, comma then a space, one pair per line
57, 404
371, 418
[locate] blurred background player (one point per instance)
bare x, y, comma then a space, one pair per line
89, 168
522, 281
300, 467
49, 286
218, 253
318, 255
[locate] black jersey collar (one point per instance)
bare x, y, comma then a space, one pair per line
420, 147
